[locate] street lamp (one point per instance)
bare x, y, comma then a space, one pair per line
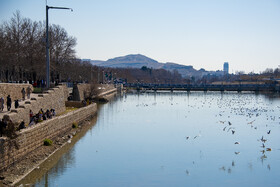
47, 41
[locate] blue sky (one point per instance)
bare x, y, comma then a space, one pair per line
202, 33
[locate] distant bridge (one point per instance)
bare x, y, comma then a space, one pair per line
205, 87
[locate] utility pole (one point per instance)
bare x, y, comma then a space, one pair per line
47, 42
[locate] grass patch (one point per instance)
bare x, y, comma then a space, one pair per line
68, 109
47, 142
37, 90
74, 125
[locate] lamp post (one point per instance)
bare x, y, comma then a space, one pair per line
47, 42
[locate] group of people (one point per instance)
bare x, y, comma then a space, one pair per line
9, 100
28, 91
6, 124
40, 116
9, 103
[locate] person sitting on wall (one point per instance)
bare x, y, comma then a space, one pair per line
30, 114
53, 112
49, 115
45, 116
16, 103
21, 125
37, 117
32, 122
84, 103
41, 112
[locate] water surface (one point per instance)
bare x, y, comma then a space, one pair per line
176, 139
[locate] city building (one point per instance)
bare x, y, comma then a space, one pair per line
226, 68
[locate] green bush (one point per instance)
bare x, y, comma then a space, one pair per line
74, 125
47, 142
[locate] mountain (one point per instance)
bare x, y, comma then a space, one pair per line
138, 61
129, 61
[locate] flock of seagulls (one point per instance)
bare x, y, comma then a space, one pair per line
254, 115
235, 113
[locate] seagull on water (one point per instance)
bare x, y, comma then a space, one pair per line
263, 140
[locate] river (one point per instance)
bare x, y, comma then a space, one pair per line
173, 139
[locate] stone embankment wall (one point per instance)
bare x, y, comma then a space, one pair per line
81, 91
66, 91
14, 90
31, 138
55, 98
108, 91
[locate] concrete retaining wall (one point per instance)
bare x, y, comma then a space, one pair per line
12, 89
31, 138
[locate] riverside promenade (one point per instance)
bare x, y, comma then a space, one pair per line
24, 153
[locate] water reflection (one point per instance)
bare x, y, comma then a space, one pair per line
57, 164
52, 168
179, 139
67, 160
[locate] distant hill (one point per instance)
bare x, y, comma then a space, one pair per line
138, 61
131, 61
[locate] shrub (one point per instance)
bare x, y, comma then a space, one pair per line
74, 125
47, 142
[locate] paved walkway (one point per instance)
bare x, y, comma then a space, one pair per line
21, 102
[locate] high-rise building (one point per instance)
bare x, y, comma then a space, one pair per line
226, 68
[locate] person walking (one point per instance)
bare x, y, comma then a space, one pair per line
23, 94
9, 102
28, 90
2, 104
